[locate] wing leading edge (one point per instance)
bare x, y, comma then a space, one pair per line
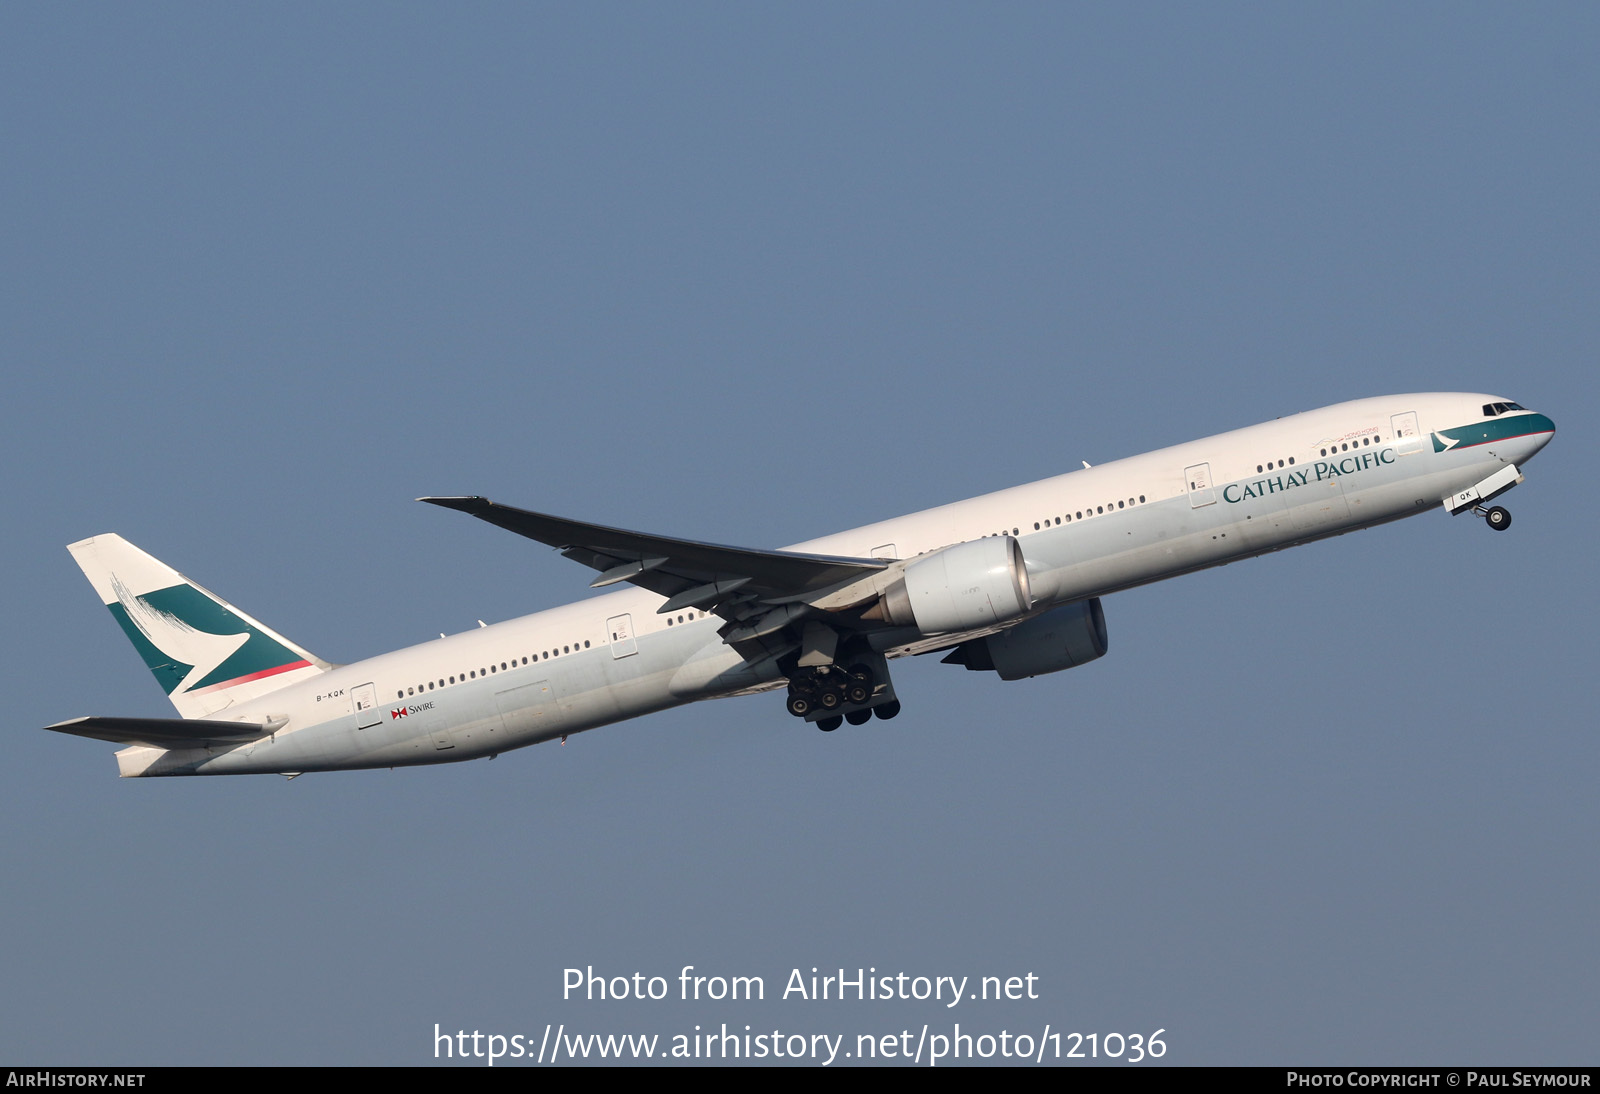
691, 574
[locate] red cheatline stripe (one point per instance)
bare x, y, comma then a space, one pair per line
252, 676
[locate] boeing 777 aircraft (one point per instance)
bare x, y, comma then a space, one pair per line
1008, 582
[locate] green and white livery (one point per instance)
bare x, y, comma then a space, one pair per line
206, 654
1010, 582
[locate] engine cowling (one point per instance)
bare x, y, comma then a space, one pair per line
1061, 638
960, 588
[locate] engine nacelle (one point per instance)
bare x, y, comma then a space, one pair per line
960, 588
1061, 638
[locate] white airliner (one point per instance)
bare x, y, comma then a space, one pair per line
1009, 583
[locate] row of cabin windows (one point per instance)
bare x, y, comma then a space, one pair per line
1345, 446
1269, 465
473, 674
1081, 514
504, 666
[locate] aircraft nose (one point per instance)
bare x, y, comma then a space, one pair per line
1540, 430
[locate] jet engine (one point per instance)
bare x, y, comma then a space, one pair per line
964, 587
1061, 638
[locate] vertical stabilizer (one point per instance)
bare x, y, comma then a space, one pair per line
205, 653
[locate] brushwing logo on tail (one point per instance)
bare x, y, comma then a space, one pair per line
170, 628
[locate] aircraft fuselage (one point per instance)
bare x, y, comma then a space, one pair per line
1084, 534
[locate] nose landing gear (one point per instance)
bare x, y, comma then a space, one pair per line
1496, 517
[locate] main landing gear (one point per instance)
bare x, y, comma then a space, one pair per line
830, 688
859, 717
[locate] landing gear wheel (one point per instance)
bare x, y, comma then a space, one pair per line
1497, 518
859, 687
858, 717
887, 710
799, 705
829, 699
828, 725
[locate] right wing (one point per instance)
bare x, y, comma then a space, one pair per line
689, 573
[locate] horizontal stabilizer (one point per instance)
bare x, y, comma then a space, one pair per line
164, 732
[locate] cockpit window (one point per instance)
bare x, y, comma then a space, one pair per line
1491, 409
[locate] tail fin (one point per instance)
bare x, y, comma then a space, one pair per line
205, 653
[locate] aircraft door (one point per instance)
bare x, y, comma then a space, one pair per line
1199, 479
622, 640
1407, 433
529, 711
365, 698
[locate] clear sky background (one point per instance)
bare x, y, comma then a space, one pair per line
755, 273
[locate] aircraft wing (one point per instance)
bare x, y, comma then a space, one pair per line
727, 580
163, 732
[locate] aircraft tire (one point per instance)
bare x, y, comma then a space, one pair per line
858, 717
828, 725
799, 705
1497, 518
887, 710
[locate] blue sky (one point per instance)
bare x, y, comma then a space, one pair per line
753, 274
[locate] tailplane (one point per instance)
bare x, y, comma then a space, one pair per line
205, 653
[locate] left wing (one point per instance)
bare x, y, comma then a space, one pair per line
758, 592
